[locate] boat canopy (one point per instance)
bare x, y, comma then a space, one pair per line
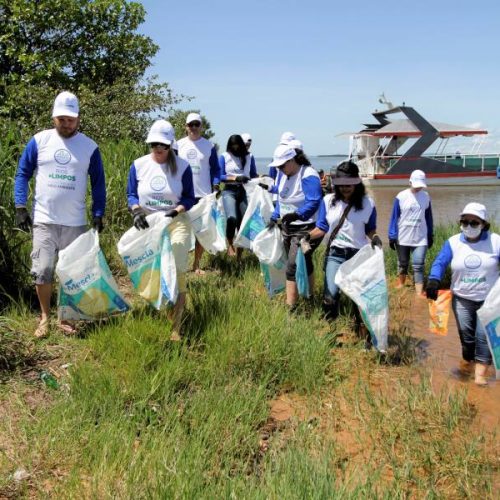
406, 128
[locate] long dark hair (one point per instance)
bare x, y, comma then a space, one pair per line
236, 147
301, 158
356, 198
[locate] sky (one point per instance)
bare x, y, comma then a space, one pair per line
317, 68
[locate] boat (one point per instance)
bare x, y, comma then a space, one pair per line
376, 149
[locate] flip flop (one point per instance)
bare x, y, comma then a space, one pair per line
66, 328
200, 272
42, 329
175, 336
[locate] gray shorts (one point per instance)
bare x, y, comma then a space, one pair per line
48, 239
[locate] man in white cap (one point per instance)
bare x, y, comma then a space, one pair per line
62, 160
411, 229
247, 139
201, 155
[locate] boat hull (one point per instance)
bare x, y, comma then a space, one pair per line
488, 178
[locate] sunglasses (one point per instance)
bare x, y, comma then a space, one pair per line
194, 124
471, 223
159, 145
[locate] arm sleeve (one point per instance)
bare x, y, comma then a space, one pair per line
253, 168
213, 161
132, 194
187, 196
222, 168
311, 186
98, 184
273, 171
371, 225
393, 223
322, 223
27, 165
441, 262
430, 222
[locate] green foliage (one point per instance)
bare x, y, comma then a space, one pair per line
178, 119
91, 48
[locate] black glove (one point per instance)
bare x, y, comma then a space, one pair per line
242, 178
265, 187
432, 289
271, 224
393, 244
289, 218
97, 224
140, 221
376, 241
23, 219
172, 213
430, 242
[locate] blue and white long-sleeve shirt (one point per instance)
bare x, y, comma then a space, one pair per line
474, 266
154, 187
231, 165
411, 221
61, 167
202, 158
357, 225
300, 193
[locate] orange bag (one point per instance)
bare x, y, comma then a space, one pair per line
439, 312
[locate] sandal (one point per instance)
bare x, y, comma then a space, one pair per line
175, 336
66, 328
42, 329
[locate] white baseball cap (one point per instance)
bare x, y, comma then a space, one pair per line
296, 144
66, 104
286, 137
477, 209
193, 117
282, 154
417, 179
161, 131
246, 137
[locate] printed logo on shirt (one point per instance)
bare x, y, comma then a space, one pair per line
192, 154
63, 177
285, 192
62, 156
158, 183
472, 261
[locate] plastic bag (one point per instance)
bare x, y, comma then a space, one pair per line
258, 214
439, 313
209, 223
268, 246
489, 315
301, 277
362, 278
274, 276
87, 288
150, 261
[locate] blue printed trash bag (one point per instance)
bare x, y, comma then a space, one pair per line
489, 315
274, 276
362, 278
208, 221
258, 214
87, 289
150, 262
301, 277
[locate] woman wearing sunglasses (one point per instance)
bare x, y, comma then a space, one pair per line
160, 181
474, 255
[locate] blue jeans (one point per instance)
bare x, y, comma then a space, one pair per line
333, 260
471, 331
234, 198
418, 261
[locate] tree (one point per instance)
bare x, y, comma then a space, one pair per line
178, 119
91, 48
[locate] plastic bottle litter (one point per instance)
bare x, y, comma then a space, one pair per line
49, 380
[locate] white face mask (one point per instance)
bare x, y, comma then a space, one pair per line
471, 232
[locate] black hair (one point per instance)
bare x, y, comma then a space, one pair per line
356, 197
321, 171
301, 158
236, 147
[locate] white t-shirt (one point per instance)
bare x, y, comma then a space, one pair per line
412, 226
197, 154
233, 164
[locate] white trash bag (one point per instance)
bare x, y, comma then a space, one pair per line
362, 278
150, 262
87, 288
268, 246
489, 315
209, 223
274, 276
258, 214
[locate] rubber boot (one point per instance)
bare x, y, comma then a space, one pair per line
480, 374
401, 281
